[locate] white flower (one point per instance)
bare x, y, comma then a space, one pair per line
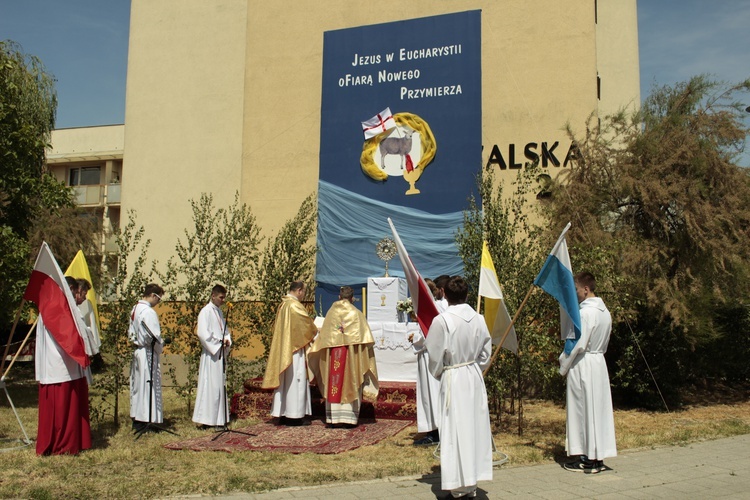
405, 306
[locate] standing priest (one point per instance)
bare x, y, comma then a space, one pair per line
286, 368
211, 402
343, 361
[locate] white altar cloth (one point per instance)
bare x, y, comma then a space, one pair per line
394, 354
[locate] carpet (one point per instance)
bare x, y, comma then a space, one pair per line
313, 438
396, 401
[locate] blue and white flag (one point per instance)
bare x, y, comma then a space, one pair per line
556, 278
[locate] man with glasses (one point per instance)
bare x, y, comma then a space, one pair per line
145, 333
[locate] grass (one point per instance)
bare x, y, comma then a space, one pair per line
120, 467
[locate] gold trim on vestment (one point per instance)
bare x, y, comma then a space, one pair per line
345, 325
292, 331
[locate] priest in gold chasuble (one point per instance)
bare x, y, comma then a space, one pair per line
342, 360
286, 368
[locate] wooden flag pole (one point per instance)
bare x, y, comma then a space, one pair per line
507, 330
12, 331
18, 352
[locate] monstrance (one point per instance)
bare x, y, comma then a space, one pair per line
385, 250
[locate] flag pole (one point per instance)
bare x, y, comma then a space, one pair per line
12, 331
18, 352
507, 330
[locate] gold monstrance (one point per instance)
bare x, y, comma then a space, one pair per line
385, 250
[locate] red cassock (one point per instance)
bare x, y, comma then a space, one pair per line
63, 418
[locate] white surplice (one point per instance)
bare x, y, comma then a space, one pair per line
291, 399
590, 425
428, 387
53, 365
460, 347
140, 392
210, 401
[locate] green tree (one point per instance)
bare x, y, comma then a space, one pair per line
518, 251
289, 256
124, 290
221, 247
661, 213
28, 104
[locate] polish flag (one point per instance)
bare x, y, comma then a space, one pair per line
421, 297
48, 289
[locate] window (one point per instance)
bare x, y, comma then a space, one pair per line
84, 176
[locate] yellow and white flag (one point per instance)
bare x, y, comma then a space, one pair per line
78, 268
495, 313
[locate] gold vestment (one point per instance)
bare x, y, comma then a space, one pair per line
292, 330
345, 325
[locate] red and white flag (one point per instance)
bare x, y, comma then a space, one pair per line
382, 122
48, 289
421, 297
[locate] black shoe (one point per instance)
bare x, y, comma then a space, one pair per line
426, 441
587, 467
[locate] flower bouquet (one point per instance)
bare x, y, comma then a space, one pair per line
405, 309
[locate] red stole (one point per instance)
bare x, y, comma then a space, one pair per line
336, 367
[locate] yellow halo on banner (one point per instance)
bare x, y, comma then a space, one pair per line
414, 122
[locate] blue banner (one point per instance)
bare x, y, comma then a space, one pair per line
401, 123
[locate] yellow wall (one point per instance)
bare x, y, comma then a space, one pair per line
86, 143
617, 56
183, 113
225, 95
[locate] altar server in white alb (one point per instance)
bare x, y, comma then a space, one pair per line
146, 345
460, 347
590, 426
211, 403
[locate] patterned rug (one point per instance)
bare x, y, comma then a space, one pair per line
313, 438
396, 401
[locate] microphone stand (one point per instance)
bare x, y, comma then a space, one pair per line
222, 354
151, 426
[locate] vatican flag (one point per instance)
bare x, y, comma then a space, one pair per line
495, 313
78, 268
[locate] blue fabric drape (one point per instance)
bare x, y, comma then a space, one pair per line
350, 225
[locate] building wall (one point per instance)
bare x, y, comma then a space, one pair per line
86, 143
184, 107
617, 56
225, 95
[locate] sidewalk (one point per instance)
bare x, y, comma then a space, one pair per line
711, 469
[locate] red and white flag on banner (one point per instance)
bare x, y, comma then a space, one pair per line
48, 289
382, 122
421, 297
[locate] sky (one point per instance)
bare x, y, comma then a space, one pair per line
84, 44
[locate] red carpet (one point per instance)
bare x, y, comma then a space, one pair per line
313, 438
396, 400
